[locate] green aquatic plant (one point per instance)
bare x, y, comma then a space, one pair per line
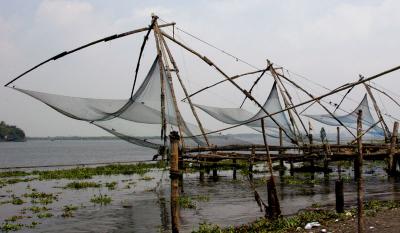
45, 215
101, 199
186, 202
13, 174
111, 185
89, 172
68, 211
5, 227
82, 185
14, 218
41, 197
16, 200
204, 198
37, 209
147, 178
32, 225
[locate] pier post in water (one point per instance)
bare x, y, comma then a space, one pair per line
339, 196
174, 175
359, 178
234, 168
392, 162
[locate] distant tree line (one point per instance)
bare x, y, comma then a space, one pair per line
11, 133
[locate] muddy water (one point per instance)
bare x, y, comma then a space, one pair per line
141, 203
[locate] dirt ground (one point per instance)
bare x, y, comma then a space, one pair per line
387, 221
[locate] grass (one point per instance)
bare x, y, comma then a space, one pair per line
101, 199
82, 185
284, 224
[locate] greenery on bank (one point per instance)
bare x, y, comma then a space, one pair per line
284, 224
11, 133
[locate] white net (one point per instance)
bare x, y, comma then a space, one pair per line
350, 120
236, 116
137, 120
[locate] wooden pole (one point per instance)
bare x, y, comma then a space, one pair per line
273, 201
339, 196
360, 180
386, 130
392, 163
174, 175
162, 84
287, 99
165, 67
281, 164
171, 58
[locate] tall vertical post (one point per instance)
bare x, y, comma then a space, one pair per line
280, 149
338, 137
174, 175
274, 209
339, 196
392, 163
360, 180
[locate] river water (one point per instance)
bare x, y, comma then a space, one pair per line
141, 204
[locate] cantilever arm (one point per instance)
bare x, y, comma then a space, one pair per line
105, 39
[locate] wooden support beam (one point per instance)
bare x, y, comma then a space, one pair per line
165, 67
385, 128
360, 179
164, 45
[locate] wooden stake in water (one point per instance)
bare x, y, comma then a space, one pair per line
359, 178
174, 175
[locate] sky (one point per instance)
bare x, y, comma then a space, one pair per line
327, 42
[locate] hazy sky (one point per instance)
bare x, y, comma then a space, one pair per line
329, 42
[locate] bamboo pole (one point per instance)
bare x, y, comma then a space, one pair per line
171, 58
392, 163
105, 39
386, 130
210, 63
165, 67
254, 84
360, 179
162, 84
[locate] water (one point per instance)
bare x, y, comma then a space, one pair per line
64, 152
144, 205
